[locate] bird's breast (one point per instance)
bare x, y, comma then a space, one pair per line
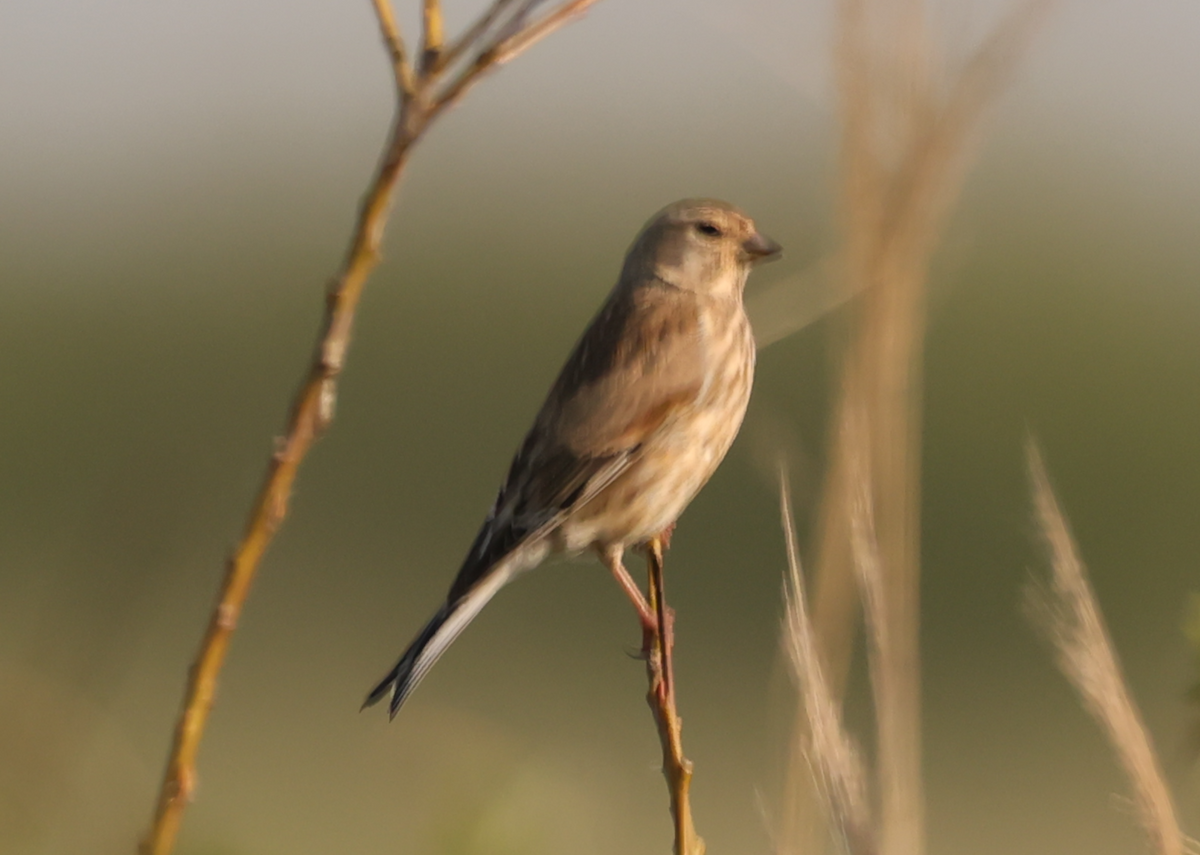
677, 460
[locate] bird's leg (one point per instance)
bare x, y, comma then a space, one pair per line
664, 615
612, 558
659, 642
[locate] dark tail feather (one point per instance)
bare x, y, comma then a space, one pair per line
431, 643
400, 681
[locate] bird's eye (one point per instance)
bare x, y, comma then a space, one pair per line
708, 229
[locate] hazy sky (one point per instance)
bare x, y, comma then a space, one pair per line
103, 86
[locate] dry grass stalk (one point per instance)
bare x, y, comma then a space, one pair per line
902, 166
829, 753
889, 682
506, 29
907, 139
1070, 614
658, 643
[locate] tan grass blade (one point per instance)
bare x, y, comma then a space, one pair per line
1067, 610
907, 136
827, 751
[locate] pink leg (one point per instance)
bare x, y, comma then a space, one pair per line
612, 558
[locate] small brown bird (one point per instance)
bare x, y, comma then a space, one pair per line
642, 413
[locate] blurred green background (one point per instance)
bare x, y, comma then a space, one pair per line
178, 182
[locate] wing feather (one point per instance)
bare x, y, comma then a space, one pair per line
639, 361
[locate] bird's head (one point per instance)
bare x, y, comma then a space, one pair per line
702, 245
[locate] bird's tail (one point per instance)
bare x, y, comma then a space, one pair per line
445, 626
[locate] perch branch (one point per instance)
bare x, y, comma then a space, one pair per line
419, 101
658, 641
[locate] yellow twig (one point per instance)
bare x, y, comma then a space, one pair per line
390, 30
534, 32
657, 644
432, 38
312, 411
471, 38
313, 405
495, 53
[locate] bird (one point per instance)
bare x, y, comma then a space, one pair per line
641, 414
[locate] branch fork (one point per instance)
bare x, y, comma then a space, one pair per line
442, 77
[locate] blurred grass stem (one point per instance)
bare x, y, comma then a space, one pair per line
422, 95
1067, 610
907, 137
831, 757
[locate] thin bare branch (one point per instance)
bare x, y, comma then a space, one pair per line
1075, 625
392, 38
432, 36
517, 21
471, 40
312, 411
312, 408
832, 758
494, 55
658, 641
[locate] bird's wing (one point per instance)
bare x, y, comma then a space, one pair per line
642, 357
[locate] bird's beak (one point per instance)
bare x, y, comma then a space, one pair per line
758, 247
